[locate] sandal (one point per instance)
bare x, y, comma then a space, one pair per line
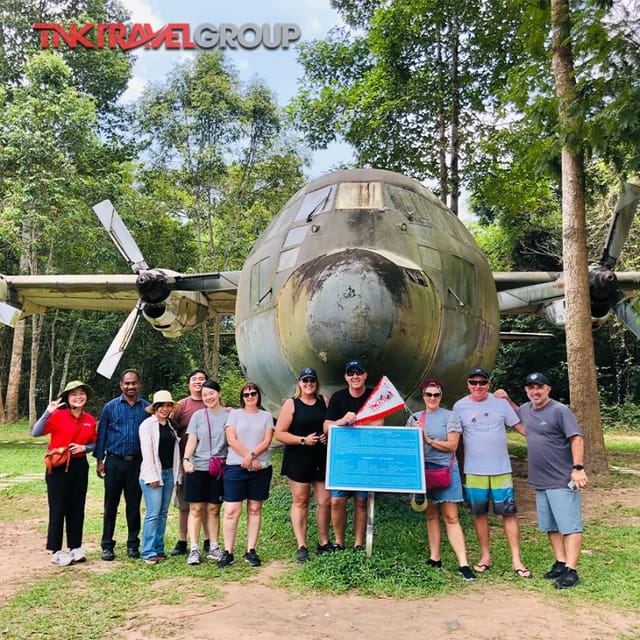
481, 567
523, 573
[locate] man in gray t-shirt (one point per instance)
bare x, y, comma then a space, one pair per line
555, 452
487, 468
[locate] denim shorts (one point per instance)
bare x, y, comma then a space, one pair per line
339, 493
453, 493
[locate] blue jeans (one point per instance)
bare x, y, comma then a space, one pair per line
156, 503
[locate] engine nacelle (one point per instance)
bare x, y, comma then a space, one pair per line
555, 313
180, 312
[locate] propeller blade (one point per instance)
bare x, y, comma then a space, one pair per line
9, 315
629, 317
120, 342
120, 235
620, 224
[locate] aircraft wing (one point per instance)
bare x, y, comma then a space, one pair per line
529, 292
21, 296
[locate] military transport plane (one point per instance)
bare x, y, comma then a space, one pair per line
361, 263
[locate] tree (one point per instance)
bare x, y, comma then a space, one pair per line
221, 158
405, 83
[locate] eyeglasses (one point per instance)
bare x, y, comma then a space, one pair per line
428, 394
164, 404
249, 394
354, 372
478, 383
308, 380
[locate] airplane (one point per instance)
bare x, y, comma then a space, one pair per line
359, 264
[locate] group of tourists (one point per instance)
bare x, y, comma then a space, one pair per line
205, 454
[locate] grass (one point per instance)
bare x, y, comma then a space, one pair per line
98, 599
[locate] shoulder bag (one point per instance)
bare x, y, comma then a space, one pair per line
216, 465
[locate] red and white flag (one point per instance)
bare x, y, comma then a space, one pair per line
384, 400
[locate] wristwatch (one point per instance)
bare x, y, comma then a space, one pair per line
303, 441
253, 455
578, 467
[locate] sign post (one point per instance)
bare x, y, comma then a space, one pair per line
386, 459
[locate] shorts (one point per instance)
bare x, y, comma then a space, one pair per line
559, 510
339, 493
499, 488
453, 493
240, 484
178, 497
200, 486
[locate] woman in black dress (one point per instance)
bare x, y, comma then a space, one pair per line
299, 428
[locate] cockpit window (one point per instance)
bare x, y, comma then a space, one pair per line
315, 202
414, 206
359, 195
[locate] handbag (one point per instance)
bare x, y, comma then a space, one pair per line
57, 457
440, 478
216, 465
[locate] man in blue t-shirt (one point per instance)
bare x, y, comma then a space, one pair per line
487, 466
555, 452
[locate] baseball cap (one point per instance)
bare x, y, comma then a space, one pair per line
308, 372
354, 364
536, 378
479, 371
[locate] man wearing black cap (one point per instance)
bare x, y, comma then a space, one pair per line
343, 407
487, 466
555, 452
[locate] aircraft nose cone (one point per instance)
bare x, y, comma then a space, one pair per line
358, 303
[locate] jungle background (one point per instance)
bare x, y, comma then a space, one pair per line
460, 95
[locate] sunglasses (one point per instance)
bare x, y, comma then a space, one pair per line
308, 380
164, 404
354, 372
478, 383
428, 394
249, 394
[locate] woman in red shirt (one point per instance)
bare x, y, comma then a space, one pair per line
69, 426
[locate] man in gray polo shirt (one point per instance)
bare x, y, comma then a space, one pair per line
555, 452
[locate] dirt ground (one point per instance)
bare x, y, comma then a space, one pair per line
483, 613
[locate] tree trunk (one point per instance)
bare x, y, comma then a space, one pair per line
455, 115
443, 177
583, 386
36, 325
15, 373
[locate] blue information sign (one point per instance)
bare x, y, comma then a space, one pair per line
376, 459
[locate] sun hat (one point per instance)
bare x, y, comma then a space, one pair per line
160, 397
76, 384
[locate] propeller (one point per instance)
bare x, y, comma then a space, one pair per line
129, 249
115, 351
620, 225
603, 283
9, 315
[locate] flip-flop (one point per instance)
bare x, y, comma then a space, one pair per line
523, 573
481, 568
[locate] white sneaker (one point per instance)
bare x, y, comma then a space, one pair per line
78, 555
61, 558
214, 554
194, 557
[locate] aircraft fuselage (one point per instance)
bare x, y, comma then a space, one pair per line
365, 264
